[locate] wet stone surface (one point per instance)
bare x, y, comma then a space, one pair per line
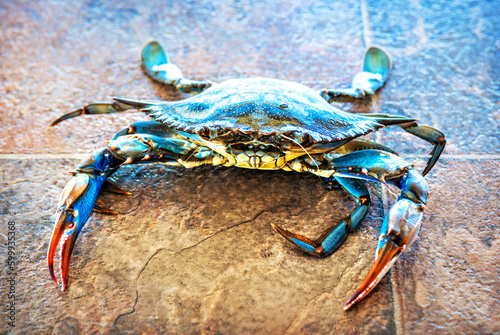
193, 251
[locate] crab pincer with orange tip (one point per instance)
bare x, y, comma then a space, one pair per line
265, 124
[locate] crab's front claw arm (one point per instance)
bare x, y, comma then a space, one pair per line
74, 208
141, 142
399, 230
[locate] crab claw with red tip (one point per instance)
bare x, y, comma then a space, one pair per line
400, 228
74, 208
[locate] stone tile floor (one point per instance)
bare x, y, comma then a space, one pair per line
193, 251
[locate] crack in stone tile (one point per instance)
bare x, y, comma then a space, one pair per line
298, 314
345, 269
145, 265
136, 290
131, 312
161, 249
224, 230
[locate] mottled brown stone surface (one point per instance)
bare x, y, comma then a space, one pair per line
193, 251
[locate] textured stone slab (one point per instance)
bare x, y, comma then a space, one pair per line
58, 56
193, 251
445, 71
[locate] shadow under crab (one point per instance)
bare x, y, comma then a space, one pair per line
266, 124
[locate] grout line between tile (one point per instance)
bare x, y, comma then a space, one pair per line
367, 29
81, 156
41, 156
459, 156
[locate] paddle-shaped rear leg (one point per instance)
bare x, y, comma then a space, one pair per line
334, 235
156, 64
376, 68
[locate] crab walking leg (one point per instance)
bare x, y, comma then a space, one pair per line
376, 67
79, 196
431, 135
156, 64
426, 133
334, 235
95, 108
118, 106
402, 223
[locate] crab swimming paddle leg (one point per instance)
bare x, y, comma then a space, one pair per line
376, 67
156, 64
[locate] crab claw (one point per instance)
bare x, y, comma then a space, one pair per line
400, 228
74, 208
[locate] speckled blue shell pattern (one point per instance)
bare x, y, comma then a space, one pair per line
259, 107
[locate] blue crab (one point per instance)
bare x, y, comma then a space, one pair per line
260, 124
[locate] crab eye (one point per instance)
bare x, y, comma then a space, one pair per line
250, 146
283, 106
